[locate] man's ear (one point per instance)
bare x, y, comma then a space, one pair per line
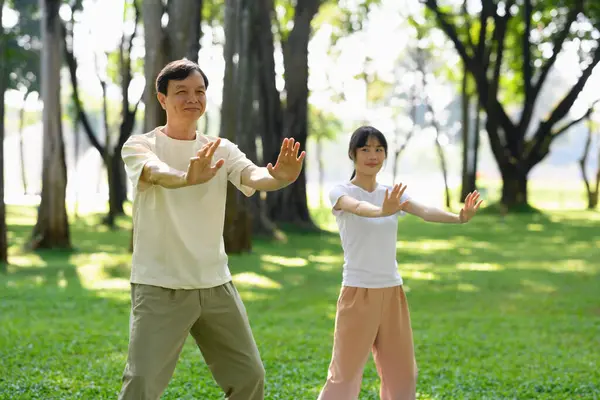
162, 99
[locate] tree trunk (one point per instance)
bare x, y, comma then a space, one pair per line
76, 137
291, 204
108, 161
154, 61
442, 157
270, 99
593, 203
21, 144
591, 190
476, 134
117, 190
321, 169
237, 230
413, 116
183, 29
261, 224
468, 174
514, 187
3, 85
52, 227
592, 200
440, 152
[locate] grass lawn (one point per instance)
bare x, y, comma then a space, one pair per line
500, 310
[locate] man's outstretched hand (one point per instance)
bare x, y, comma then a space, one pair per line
288, 165
200, 169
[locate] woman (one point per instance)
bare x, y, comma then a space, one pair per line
372, 311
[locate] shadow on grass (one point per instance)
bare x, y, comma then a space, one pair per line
499, 292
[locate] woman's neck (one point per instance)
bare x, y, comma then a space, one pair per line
180, 131
366, 182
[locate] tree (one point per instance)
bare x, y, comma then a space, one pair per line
423, 58
520, 144
236, 111
23, 43
180, 38
120, 70
290, 204
592, 188
323, 126
3, 85
52, 227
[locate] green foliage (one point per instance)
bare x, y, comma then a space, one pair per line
518, 297
345, 17
23, 47
323, 125
548, 21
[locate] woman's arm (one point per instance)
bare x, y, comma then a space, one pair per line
391, 204
360, 208
433, 214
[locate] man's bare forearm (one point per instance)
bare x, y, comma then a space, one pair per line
160, 174
259, 178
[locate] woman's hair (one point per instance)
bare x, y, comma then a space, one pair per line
359, 139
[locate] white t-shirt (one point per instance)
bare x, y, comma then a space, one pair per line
369, 243
178, 233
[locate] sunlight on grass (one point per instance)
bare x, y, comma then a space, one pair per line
249, 295
425, 276
537, 287
574, 265
467, 287
535, 227
326, 259
327, 267
26, 260
246, 279
478, 267
270, 267
284, 261
111, 294
498, 310
414, 266
426, 246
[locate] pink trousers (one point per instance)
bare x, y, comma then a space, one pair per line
374, 320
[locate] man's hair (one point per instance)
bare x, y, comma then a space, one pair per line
177, 71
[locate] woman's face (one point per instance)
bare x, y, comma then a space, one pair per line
369, 159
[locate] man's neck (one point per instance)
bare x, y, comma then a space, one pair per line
180, 131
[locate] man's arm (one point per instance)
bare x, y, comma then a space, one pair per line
144, 168
158, 173
259, 178
285, 171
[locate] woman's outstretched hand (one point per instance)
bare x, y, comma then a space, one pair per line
391, 203
472, 203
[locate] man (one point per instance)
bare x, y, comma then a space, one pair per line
180, 280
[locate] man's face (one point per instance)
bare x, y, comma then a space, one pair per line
185, 99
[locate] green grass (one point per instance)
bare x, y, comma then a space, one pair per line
501, 309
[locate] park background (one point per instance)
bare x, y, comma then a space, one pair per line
498, 96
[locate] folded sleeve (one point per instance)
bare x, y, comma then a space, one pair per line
136, 152
235, 163
334, 195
